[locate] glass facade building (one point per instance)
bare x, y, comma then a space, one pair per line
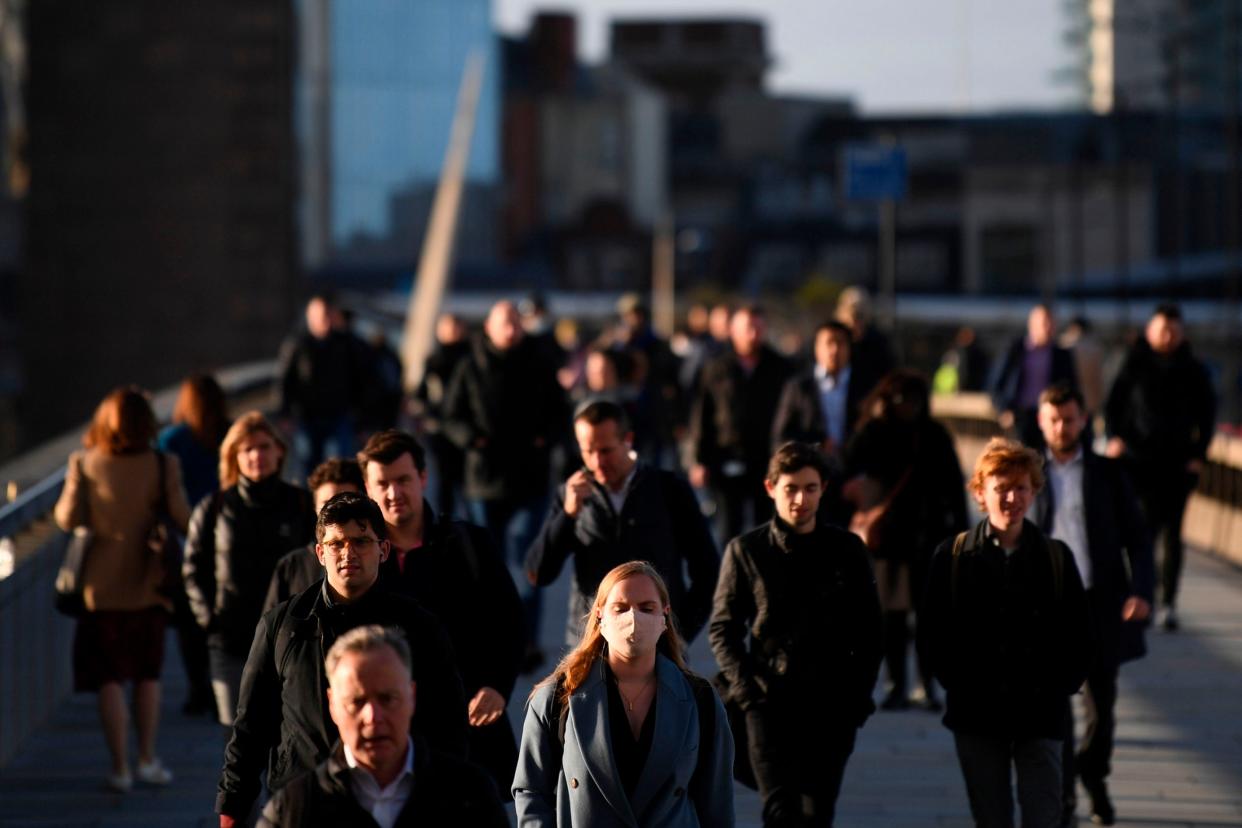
377, 90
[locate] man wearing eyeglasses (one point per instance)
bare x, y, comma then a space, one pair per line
281, 719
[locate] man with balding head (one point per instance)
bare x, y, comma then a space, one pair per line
378, 769
505, 410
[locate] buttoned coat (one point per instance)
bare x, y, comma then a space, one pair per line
687, 780
1119, 546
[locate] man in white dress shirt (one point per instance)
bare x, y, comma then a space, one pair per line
378, 775
1090, 505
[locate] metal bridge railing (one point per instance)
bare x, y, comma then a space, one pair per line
35, 641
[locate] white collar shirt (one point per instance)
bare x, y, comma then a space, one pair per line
1069, 514
383, 804
617, 498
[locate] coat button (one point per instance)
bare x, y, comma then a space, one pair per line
573, 782
680, 792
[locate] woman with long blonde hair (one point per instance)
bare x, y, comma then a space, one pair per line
621, 733
236, 536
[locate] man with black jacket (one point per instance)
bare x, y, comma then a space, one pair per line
452, 568
1004, 626
731, 422
617, 508
1161, 417
282, 723
821, 405
1089, 505
378, 771
506, 411
796, 630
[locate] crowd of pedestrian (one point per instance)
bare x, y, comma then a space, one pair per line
361, 636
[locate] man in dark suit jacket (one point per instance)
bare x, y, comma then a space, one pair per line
1090, 505
1032, 363
378, 772
731, 422
821, 405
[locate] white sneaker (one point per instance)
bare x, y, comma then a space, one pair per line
153, 773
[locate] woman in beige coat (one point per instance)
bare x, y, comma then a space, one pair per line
113, 489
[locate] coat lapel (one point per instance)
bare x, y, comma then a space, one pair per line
591, 729
674, 710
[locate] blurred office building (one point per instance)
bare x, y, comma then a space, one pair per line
376, 89
157, 227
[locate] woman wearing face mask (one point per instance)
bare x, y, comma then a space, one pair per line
621, 733
235, 538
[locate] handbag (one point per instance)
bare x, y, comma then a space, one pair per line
68, 598
164, 540
868, 523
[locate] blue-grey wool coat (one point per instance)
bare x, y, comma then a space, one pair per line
581, 786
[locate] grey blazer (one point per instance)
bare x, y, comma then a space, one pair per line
578, 785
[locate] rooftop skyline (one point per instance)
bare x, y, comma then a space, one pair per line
888, 55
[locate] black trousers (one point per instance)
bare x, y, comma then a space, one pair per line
1163, 491
1093, 759
732, 495
798, 766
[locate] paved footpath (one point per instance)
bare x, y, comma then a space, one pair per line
1178, 760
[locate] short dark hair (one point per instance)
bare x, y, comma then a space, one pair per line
793, 457
834, 326
1169, 310
338, 471
596, 411
1061, 393
387, 446
351, 507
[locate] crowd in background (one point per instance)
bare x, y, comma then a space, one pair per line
834, 494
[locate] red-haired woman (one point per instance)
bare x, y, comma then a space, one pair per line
199, 419
113, 488
613, 736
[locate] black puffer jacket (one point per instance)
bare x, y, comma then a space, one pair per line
282, 717
1162, 406
798, 617
506, 410
232, 546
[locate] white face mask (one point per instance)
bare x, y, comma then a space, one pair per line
631, 633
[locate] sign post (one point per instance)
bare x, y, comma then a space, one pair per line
877, 172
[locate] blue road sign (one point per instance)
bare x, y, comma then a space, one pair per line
874, 172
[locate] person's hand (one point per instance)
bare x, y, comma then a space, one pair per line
577, 490
1115, 447
698, 476
1135, 609
227, 821
1006, 420
485, 707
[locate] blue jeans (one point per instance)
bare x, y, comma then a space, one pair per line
986, 764
514, 523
